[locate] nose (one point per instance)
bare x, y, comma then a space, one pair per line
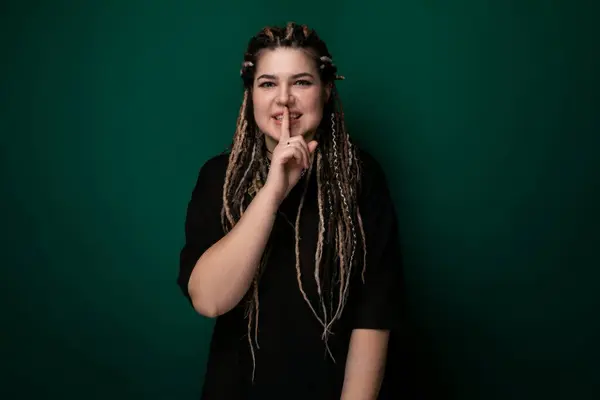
284, 97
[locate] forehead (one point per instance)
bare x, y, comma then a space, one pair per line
285, 61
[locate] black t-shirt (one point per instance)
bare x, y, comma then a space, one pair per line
292, 361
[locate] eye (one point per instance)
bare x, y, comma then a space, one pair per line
303, 82
266, 84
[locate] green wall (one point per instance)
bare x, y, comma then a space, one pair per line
484, 115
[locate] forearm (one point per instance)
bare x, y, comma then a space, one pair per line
365, 365
224, 273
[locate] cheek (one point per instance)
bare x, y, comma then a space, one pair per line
316, 108
311, 102
317, 115
259, 100
261, 111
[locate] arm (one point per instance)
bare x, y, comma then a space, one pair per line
224, 272
365, 364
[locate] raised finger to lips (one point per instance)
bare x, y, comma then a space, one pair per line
294, 152
301, 147
285, 124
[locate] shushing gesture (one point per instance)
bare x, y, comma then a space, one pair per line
290, 157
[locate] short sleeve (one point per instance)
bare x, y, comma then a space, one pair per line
203, 218
378, 299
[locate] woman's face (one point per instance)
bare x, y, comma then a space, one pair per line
287, 77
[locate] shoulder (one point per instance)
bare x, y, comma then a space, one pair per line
373, 177
210, 178
216, 164
212, 171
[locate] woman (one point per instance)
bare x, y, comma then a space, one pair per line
291, 238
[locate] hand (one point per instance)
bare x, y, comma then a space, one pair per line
290, 157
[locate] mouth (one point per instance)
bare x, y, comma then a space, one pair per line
293, 117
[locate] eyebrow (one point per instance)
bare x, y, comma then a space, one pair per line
300, 75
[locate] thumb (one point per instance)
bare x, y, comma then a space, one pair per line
312, 145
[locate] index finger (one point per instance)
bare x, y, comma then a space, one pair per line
285, 125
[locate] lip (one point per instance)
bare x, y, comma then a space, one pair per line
292, 120
277, 114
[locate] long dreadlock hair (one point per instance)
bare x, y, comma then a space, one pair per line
338, 180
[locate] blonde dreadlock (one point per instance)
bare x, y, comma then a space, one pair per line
338, 181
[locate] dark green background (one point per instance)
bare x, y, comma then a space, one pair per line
484, 115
